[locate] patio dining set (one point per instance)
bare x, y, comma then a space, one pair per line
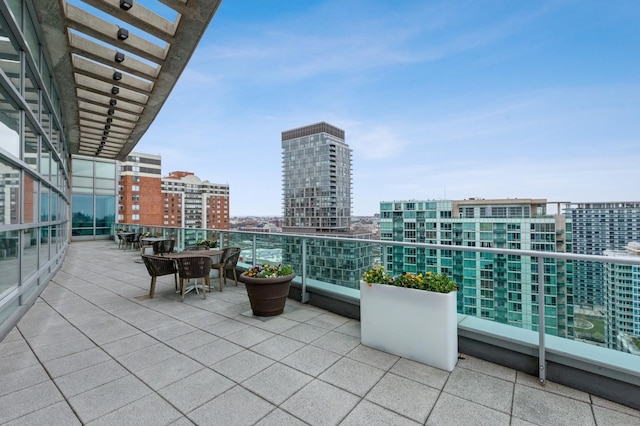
195, 262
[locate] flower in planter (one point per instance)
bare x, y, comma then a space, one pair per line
376, 275
427, 281
208, 243
268, 271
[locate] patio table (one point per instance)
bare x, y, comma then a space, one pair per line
199, 253
148, 242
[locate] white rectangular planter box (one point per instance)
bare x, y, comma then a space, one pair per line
414, 324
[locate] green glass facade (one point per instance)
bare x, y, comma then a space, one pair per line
502, 288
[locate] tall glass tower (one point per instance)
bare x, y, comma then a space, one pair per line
598, 227
316, 187
316, 180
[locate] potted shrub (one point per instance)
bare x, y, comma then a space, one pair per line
410, 315
268, 288
208, 243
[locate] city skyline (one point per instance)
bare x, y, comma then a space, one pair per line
438, 100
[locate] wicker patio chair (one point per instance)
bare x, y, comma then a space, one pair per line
130, 239
228, 261
194, 267
120, 241
162, 247
158, 266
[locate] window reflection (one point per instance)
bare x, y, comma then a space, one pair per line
45, 161
82, 215
8, 261
44, 245
9, 125
44, 204
30, 148
10, 58
105, 213
9, 190
29, 252
30, 199
31, 93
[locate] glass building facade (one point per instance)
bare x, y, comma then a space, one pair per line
316, 180
598, 227
93, 197
502, 288
34, 167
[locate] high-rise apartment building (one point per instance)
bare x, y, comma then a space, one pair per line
192, 203
498, 287
140, 199
180, 199
621, 297
316, 190
598, 227
316, 180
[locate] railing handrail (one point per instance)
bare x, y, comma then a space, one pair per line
625, 260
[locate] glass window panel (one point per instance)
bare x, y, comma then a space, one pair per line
9, 125
82, 190
82, 182
105, 211
106, 184
31, 93
45, 162
9, 190
82, 168
44, 245
55, 167
105, 170
44, 204
10, 58
30, 199
16, 9
30, 148
54, 207
45, 120
82, 214
29, 252
31, 37
62, 208
55, 139
8, 261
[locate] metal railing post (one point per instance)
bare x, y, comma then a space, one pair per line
542, 373
305, 295
254, 250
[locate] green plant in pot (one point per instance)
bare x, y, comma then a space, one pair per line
268, 288
389, 303
207, 243
426, 281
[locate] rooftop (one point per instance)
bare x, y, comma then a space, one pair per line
94, 349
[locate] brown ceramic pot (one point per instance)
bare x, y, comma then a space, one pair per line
267, 295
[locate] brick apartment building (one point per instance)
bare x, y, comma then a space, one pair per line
180, 199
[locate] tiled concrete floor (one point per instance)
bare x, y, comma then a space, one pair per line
93, 351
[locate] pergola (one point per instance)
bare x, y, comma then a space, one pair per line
121, 61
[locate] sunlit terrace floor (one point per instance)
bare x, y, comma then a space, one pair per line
94, 350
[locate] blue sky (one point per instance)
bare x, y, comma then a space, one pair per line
438, 99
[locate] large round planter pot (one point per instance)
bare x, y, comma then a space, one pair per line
267, 295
